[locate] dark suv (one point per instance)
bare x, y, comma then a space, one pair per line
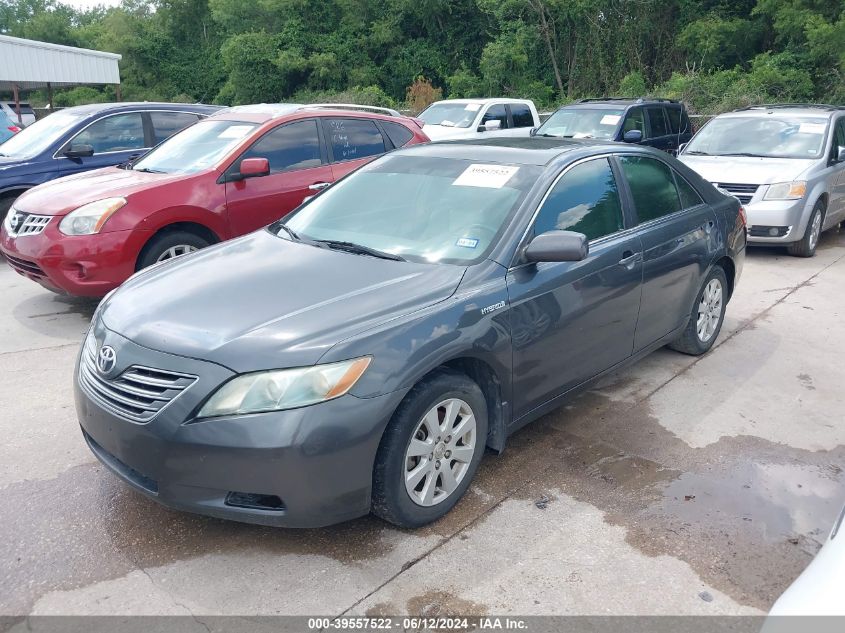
659, 123
87, 137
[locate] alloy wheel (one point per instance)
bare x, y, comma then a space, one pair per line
440, 452
709, 310
815, 230
176, 251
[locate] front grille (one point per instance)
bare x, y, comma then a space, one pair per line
25, 267
138, 394
743, 192
21, 223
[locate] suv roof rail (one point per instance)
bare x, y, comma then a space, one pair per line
632, 99
352, 106
772, 106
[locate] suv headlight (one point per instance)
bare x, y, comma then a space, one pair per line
786, 190
280, 389
90, 218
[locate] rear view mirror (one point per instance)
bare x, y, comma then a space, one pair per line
558, 246
491, 125
79, 151
254, 167
633, 136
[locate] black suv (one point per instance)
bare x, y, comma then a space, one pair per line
659, 123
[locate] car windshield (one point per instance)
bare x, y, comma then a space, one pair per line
195, 148
422, 209
770, 136
36, 138
450, 114
582, 123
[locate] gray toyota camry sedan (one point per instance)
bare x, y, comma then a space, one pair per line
360, 355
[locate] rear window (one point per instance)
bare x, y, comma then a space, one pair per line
25, 108
398, 134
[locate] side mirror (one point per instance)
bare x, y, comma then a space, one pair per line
681, 147
491, 125
558, 246
532, 131
254, 167
79, 151
633, 136
840, 154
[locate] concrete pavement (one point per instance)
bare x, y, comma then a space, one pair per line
679, 486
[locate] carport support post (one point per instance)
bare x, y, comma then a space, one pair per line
117, 92
17, 103
50, 95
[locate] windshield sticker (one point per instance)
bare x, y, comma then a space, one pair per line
467, 242
610, 119
473, 107
236, 131
490, 176
811, 128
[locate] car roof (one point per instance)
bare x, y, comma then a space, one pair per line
484, 101
511, 150
800, 109
96, 108
619, 102
263, 112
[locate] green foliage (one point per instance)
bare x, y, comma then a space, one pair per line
716, 54
79, 96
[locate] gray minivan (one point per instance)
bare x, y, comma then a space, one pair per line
785, 163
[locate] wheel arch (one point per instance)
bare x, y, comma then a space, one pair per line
196, 228
727, 265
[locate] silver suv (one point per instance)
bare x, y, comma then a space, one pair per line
785, 163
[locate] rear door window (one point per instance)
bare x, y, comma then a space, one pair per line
288, 147
166, 124
657, 122
585, 200
351, 139
652, 187
398, 134
117, 133
521, 115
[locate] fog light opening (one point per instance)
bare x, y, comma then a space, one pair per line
254, 501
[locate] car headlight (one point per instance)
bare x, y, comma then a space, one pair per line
90, 218
280, 389
786, 190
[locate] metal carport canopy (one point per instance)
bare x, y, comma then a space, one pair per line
28, 65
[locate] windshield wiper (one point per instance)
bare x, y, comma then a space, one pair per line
749, 154
695, 152
352, 247
289, 231
573, 136
547, 135
147, 170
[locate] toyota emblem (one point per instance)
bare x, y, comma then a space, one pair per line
106, 359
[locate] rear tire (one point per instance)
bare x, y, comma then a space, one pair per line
806, 246
706, 317
169, 245
430, 450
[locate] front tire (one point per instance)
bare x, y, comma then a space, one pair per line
707, 316
806, 246
430, 451
169, 245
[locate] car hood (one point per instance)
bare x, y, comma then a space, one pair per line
443, 132
747, 170
264, 302
63, 195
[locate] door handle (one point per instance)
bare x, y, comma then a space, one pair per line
629, 259
317, 186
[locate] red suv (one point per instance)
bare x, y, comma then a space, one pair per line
225, 176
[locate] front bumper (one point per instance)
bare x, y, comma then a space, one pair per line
316, 460
84, 265
786, 216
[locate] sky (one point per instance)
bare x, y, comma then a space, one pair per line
87, 4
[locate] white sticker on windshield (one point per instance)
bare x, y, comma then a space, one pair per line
467, 242
236, 131
610, 119
811, 128
491, 176
472, 107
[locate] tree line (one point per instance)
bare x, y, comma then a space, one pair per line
713, 54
